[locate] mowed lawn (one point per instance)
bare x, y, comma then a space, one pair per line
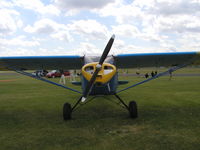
31, 116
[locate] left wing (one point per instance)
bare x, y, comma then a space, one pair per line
41, 62
156, 59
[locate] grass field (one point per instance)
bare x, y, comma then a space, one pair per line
169, 117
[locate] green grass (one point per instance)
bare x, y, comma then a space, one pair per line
188, 70
169, 117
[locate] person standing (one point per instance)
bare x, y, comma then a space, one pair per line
62, 78
72, 75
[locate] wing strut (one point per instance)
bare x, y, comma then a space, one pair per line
152, 78
42, 79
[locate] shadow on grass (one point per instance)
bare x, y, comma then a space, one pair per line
98, 125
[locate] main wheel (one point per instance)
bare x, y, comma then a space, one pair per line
67, 111
133, 109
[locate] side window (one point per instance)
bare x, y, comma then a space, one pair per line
89, 69
107, 69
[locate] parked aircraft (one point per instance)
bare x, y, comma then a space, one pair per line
99, 74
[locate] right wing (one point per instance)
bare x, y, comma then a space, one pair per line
41, 62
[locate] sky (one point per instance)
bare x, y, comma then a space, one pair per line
83, 27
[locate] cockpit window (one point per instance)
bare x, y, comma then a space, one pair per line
107, 69
89, 69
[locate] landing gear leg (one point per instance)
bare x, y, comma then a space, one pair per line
132, 108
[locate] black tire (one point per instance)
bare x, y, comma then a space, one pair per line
67, 111
133, 109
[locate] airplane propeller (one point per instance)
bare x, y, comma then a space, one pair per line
98, 68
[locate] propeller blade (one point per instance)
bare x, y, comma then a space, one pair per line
107, 49
98, 68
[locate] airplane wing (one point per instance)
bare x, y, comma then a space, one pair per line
156, 59
41, 62
121, 61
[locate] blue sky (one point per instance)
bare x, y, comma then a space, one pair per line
68, 27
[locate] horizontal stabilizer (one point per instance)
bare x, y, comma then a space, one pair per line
76, 83
122, 82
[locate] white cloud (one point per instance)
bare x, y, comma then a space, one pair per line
179, 24
164, 14
170, 7
18, 41
62, 36
50, 27
80, 4
88, 49
74, 7
10, 21
160, 22
5, 4
131, 31
44, 26
125, 30
124, 13
190, 41
22, 51
38, 6
72, 12
117, 47
89, 28
6, 51
118, 44
139, 25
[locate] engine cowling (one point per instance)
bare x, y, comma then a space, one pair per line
105, 74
